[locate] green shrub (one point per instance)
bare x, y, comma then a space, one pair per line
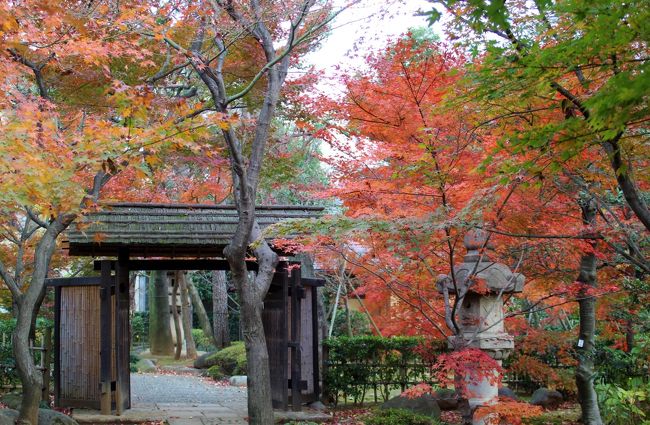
215, 373
360, 364
133, 362
230, 360
397, 417
629, 404
140, 328
8, 373
359, 323
203, 343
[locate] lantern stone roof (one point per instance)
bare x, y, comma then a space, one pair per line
168, 230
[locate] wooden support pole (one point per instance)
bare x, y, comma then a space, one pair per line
57, 346
122, 395
296, 373
283, 277
315, 341
46, 357
106, 340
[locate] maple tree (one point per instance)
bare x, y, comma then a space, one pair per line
74, 114
564, 80
414, 175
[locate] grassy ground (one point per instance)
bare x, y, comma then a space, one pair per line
167, 360
568, 414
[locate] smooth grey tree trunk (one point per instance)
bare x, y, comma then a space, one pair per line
178, 340
259, 388
30, 377
220, 309
199, 309
160, 333
26, 307
585, 350
186, 314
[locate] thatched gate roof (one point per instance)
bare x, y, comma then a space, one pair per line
168, 230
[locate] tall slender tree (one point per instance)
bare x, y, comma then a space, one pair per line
220, 26
220, 323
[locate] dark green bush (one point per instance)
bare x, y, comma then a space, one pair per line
203, 343
215, 373
617, 366
359, 323
357, 365
397, 417
133, 360
140, 328
231, 360
8, 374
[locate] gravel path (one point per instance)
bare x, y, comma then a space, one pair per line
186, 400
147, 388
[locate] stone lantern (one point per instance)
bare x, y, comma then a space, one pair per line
484, 284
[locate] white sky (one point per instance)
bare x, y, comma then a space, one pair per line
361, 29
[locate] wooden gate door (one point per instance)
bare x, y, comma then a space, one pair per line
91, 325
274, 317
76, 350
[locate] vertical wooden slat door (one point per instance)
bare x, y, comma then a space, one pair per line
79, 345
274, 317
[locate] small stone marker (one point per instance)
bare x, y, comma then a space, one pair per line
238, 381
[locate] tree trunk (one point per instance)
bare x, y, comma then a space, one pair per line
199, 309
252, 293
260, 409
160, 334
132, 279
348, 318
178, 340
585, 350
27, 304
190, 346
220, 309
622, 171
30, 377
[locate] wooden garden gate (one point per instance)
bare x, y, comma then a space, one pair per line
92, 333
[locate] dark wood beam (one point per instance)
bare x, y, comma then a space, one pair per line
74, 281
169, 264
317, 283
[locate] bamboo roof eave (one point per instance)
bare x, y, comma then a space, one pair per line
168, 230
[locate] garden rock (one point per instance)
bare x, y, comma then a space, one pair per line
13, 400
238, 381
45, 417
202, 362
146, 365
317, 405
425, 404
548, 399
446, 399
506, 392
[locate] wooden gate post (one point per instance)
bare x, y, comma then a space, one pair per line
106, 338
296, 369
122, 337
46, 357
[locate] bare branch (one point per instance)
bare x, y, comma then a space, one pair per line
35, 218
